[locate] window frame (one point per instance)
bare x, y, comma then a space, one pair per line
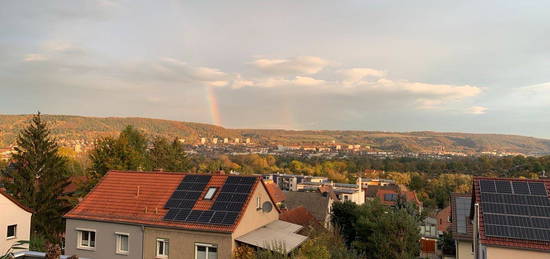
118, 240
8, 237
212, 195
166, 248
80, 234
207, 246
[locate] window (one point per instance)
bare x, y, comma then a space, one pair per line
258, 203
210, 193
12, 231
162, 247
86, 239
122, 240
206, 251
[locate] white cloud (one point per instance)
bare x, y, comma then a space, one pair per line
307, 81
476, 110
354, 75
295, 66
33, 57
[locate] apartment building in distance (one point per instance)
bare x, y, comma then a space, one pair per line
176, 215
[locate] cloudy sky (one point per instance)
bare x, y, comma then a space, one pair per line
468, 66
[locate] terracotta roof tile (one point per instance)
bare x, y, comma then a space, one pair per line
139, 198
275, 192
300, 216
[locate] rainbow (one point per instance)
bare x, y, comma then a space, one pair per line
214, 108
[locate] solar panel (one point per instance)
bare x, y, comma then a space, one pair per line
235, 206
540, 222
218, 217
515, 209
496, 230
517, 221
243, 188
229, 188
224, 197
193, 216
225, 209
186, 204
182, 215
205, 216
503, 186
520, 187
171, 214
487, 186
495, 219
173, 203
230, 218
537, 189
462, 213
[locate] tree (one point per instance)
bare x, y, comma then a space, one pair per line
378, 231
344, 216
37, 178
168, 156
127, 152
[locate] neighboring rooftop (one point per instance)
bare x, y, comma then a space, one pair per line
461, 225
315, 202
276, 193
300, 216
513, 212
14, 200
168, 200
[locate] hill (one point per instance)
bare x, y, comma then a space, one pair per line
71, 128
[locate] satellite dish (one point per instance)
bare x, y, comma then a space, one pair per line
267, 207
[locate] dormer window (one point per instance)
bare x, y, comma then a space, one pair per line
210, 193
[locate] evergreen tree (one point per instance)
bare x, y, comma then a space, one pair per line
37, 178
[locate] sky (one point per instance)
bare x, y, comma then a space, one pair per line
458, 66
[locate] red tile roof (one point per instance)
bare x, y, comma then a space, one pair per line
300, 216
11, 198
139, 198
276, 193
507, 242
409, 196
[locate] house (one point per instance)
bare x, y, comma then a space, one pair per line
511, 218
276, 193
318, 203
290, 182
443, 220
343, 191
461, 225
176, 215
388, 195
15, 221
300, 216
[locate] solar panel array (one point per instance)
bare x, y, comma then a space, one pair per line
226, 207
462, 214
515, 209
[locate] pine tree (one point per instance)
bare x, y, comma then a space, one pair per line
37, 178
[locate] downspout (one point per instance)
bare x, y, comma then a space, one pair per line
142, 241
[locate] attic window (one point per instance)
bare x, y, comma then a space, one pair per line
210, 193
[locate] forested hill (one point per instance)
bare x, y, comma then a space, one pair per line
90, 128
